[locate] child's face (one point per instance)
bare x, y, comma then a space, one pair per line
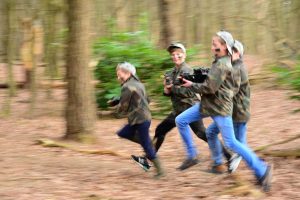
122, 75
217, 48
178, 56
235, 55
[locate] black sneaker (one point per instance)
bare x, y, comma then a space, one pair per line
188, 163
142, 162
266, 181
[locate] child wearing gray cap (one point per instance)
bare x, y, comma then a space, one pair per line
240, 114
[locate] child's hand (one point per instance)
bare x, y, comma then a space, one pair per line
186, 83
113, 101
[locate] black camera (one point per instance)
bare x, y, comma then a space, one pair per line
199, 75
168, 79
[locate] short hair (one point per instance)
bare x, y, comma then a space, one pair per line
126, 66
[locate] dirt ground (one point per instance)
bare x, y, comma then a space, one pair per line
31, 171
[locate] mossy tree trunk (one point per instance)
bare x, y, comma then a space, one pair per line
80, 108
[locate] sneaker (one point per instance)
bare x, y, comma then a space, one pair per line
142, 162
188, 163
234, 163
218, 169
266, 181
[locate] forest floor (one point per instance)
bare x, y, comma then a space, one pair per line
32, 172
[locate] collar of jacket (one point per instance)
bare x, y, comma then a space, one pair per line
179, 68
218, 58
237, 61
131, 77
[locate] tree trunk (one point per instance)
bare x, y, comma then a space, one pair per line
9, 52
80, 108
50, 40
165, 28
197, 22
3, 31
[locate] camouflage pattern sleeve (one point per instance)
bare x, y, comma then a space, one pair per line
123, 106
215, 78
236, 78
241, 101
182, 91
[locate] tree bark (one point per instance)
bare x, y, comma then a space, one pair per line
80, 108
50, 49
3, 31
8, 5
165, 27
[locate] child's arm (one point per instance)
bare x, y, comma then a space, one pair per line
123, 105
215, 78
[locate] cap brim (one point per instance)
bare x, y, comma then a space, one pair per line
176, 46
172, 47
229, 49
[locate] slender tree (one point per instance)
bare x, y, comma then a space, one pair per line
3, 31
165, 32
80, 108
9, 52
52, 9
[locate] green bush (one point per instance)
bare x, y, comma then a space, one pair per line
150, 62
291, 78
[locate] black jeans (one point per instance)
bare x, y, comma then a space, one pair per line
139, 133
169, 123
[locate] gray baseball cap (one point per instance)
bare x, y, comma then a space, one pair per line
176, 45
227, 37
239, 47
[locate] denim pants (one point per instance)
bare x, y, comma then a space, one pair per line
141, 131
225, 125
240, 130
169, 123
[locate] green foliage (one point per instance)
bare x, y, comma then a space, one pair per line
136, 48
291, 78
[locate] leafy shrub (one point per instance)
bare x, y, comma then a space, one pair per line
291, 78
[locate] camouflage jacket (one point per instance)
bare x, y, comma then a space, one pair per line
236, 77
217, 91
241, 101
182, 98
134, 102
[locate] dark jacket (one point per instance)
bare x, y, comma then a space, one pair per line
182, 98
241, 101
134, 102
217, 91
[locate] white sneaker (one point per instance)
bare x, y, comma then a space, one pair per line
234, 162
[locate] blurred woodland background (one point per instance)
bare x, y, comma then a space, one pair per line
54, 42
57, 71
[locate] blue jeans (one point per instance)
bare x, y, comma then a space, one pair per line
142, 132
225, 125
182, 122
240, 130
